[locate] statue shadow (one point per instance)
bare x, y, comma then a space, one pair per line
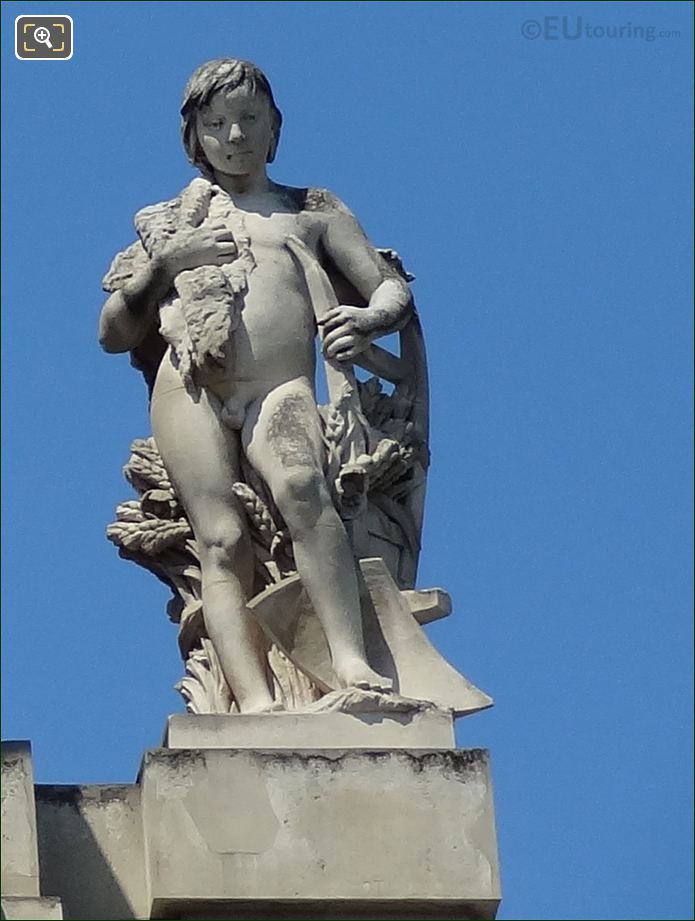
72, 862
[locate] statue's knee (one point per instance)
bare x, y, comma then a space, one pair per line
301, 497
223, 547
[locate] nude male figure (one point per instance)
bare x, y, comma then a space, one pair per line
231, 129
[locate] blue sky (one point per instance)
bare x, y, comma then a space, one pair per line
540, 190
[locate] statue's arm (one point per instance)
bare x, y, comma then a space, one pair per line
348, 330
140, 278
131, 309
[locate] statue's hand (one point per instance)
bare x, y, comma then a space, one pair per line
347, 331
191, 247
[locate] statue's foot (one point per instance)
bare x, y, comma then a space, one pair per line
355, 673
261, 706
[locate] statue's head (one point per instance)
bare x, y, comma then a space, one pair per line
223, 75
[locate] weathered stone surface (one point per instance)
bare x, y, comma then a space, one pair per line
332, 834
91, 850
20, 864
31, 908
398, 830
375, 729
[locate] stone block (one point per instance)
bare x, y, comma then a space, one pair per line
20, 863
427, 728
340, 833
91, 850
31, 908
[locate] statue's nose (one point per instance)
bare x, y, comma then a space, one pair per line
235, 132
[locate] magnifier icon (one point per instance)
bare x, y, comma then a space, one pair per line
43, 36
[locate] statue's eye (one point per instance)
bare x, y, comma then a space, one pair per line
216, 124
249, 117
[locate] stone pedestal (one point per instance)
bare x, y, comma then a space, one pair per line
240, 818
325, 834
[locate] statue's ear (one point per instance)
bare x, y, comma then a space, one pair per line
272, 149
273, 146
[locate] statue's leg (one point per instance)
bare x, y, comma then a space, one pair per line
201, 456
282, 439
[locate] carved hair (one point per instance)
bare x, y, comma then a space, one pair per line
210, 78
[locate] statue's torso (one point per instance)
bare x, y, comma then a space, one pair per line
275, 337
273, 340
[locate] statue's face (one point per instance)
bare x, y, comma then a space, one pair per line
235, 131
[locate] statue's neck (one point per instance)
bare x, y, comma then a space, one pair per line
243, 186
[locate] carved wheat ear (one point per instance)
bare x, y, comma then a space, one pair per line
257, 513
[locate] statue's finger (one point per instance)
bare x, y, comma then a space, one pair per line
334, 336
333, 314
334, 322
339, 338
332, 350
348, 355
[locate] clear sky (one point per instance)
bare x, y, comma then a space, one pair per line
540, 190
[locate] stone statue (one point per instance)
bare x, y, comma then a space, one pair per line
255, 504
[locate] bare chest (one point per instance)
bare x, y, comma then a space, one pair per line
267, 234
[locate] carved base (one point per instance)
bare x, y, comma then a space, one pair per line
330, 834
342, 719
